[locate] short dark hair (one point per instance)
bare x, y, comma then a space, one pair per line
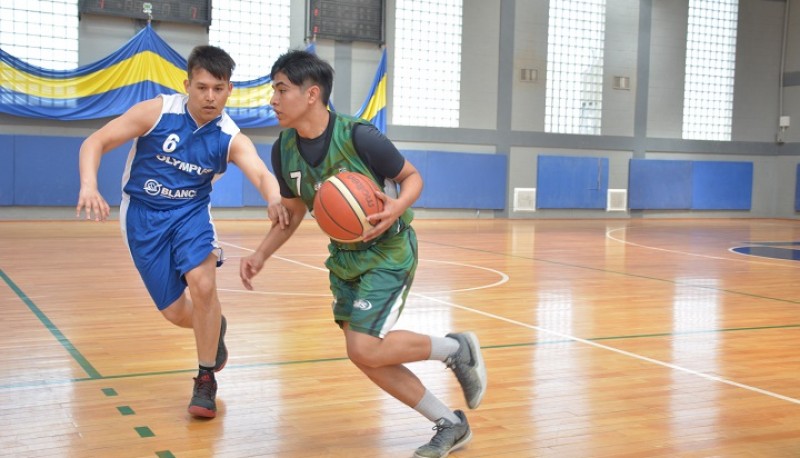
212, 59
302, 67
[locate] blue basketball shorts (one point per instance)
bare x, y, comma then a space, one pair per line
166, 244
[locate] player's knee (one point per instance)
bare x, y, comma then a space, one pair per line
176, 313
202, 287
363, 356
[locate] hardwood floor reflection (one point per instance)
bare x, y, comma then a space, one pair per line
602, 338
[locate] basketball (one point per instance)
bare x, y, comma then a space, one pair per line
343, 203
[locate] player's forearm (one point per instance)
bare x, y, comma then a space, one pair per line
410, 190
277, 236
269, 188
89, 162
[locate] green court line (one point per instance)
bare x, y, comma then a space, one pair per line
144, 431
94, 375
42, 383
111, 392
165, 454
60, 337
125, 410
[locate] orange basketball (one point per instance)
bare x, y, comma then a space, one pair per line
343, 203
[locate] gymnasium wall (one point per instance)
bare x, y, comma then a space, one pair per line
502, 117
42, 172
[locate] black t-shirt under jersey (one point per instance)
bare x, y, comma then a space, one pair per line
377, 151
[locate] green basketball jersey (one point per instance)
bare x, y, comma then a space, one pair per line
369, 281
305, 179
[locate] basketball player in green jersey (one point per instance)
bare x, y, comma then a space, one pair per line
370, 280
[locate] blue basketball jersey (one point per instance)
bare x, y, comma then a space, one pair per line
175, 163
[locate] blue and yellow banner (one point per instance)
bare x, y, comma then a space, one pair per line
143, 68
374, 107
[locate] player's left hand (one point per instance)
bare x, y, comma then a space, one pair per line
278, 214
383, 220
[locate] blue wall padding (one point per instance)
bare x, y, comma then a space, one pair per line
690, 185
659, 185
6, 170
43, 171
227, 190
465, 180
797, 189
722, 185
46, 170
251, 197
571, 182
420, 161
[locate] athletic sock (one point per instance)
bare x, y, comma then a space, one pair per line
433, 409
442, 347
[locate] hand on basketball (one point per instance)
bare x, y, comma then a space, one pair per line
94, 203
249, 267
383, 220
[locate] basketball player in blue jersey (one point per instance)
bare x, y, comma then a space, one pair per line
370, 280
182, 143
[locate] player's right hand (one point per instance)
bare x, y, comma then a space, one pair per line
94, 204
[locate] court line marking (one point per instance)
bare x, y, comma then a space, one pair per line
48, 324
561, 335
741, 257
617, 350
503, 276
567, 336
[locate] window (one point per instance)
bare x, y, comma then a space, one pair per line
427, 63
253, 32
710, 66
574, 93
43, 33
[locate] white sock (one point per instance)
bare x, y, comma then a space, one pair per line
442, 347
433, 409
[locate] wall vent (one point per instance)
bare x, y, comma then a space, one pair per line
622, 82
524, 199
528, 75
617, 200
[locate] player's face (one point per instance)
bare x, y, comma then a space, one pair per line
207, 95
289, 101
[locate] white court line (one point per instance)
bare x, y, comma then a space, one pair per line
698, 255
575, 339
615, 350
503, 277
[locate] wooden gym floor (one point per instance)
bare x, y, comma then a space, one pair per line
602, 338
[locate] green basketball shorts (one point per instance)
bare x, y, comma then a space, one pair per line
370, 286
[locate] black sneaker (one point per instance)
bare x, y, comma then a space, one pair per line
203, 403
448, 437
222, 350
467, 363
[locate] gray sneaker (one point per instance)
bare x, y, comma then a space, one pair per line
467, 363
448, 437
222, 350
203, 403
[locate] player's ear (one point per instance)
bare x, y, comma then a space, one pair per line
313, 93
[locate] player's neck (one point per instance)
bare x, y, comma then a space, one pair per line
314, 125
